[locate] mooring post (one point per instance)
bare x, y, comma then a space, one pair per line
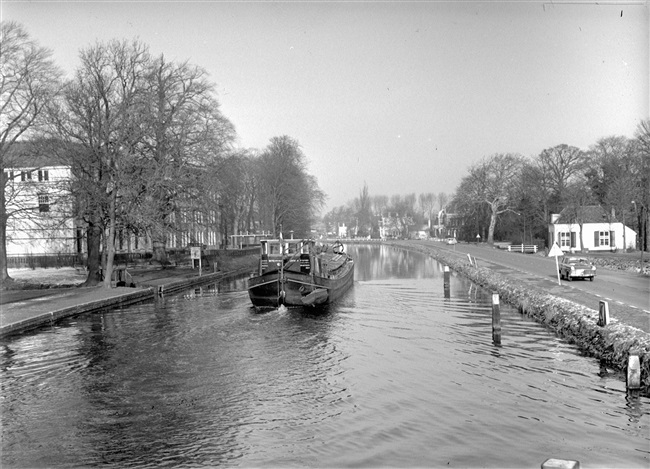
633, 371
603, 313
496, 319
446, 283
553, 463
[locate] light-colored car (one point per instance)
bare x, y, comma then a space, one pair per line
577, 267
451, 241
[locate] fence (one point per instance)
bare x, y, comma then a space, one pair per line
176, 256
527, 248
45, 261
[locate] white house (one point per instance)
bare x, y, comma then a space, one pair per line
40, 207
591, 225
342, 231
42, 221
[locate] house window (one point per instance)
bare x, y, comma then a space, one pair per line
43, 175
43, 203
565, 239
25, 176
603, 238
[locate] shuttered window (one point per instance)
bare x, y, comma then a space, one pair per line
601, 238
565, 239
43, 203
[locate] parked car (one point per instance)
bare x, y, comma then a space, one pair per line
451, 241
577, 267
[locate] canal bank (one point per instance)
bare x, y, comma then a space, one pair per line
613, 343
44, 304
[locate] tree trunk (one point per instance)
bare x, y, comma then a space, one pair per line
493, 224
110, 244
4, 273
159, 249
93, 264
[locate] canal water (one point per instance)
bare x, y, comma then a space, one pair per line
394, 375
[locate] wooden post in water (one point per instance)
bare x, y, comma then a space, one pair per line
496, 319
446, 280
633, 371
603, 313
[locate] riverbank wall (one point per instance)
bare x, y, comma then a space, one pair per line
612, 344
35, 314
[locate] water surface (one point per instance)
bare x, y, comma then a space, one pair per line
393, 375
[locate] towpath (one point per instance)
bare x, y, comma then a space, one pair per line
23, 310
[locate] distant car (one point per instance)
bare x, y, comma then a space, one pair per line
577, 267
451, 241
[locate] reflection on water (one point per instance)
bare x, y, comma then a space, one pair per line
394, 374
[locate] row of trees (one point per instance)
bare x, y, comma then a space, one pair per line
146, 140
510, 197
362, 212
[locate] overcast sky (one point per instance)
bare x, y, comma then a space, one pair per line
404, 96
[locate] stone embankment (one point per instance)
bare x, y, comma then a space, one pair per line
612, 344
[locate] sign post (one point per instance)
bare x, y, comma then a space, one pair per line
195, 253
554, 252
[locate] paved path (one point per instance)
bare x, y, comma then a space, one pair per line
22, 310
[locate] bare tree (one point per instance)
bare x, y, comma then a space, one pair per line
443, 199
642, 182
29, 80
363, 213
493, 182
236, 189
288, 197
379, 204
187, 140
559, 165
427, 203
102, 111
613, 175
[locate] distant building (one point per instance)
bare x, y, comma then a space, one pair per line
38, 196
448, 224
393, 226
342, 231
591, 225
40, 204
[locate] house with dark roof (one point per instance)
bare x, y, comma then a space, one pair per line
589, 228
